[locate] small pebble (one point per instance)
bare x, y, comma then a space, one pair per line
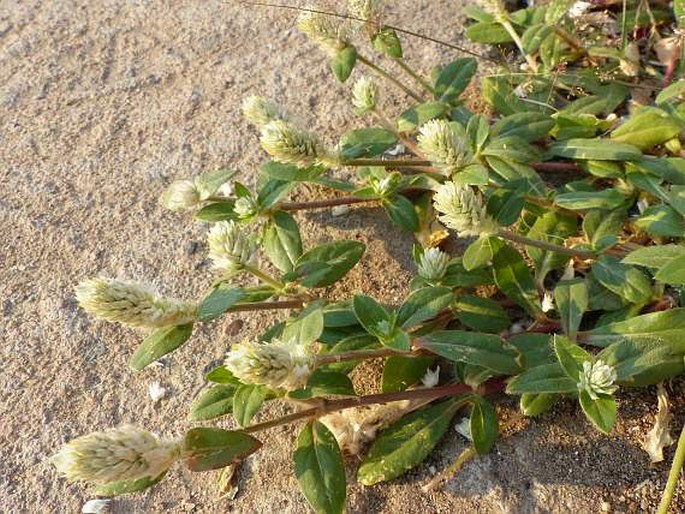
605, 507
340, 210
156, 391
96, 506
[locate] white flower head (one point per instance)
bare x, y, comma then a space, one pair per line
131, 303
464, 428
597, 378
278, 365
261, 111
547, 302
444, 147
431, 378
181, 195
433, 264
125, 453
462, 210
291, 145
365, 95
384, 327
98, 506
156, 391
386, 185
329, 32
229, 247
245, 207
364, 9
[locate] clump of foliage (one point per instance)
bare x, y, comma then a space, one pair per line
570, 196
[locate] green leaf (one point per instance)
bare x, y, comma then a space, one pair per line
661, 220
485, 350
307, 327
602, 227
324, 382
529, 126
366, 142
601, 412
212, 403
505, 205
673, 272
320, 470
219, 211
221, 375
676, 89
595, 149
419, 114
513, 277
484, 426
482, 314
607, 199
128, 486
640, 362
647, 128
282, 243
423, 305
480, 252
387, 42
624, 280
271, 192
557, 11
208, 183
552, 227
290, 172
571, 357
488, 33
407, 442
326, 264
571, 297
214, 448
218, 301
350, 344
247, 400
667, 326
370, 314
402, 212
158, 344
343, 62
454, 79
535, 404
546, 378
654, 257
401, 372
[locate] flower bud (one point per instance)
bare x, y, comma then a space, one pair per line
125, 453
364, 95
229, 248
462, 210
131, 303
597, 378
245, 207
433, 264
387, 185
444, 147
277, 365
260, 111
291, 145
181, 195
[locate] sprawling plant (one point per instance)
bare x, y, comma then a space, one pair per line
570, 199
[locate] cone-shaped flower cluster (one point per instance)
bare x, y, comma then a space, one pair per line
597, 378
461, 209
260, 111
290, 144
181, 195
278, 365
125, 453
365, 95
433, 264
328, 32
229, 247
131, 303
443, 145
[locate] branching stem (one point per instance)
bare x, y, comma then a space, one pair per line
265, 306
380, 71
264, 277
527, 241
411, 72
324, 204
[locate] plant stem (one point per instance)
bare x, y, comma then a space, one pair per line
389, 77
517, 41
322, 360
323, 204
328, 406
386, 162
264, 306
555, 166
264, 277
673, 475
410, 71
511, 236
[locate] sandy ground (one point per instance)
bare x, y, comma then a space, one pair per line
102, 104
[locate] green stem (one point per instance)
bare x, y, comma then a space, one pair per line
410, 71
323, 204
264, 277
265, 306
517, 41
673, 475
527, 241
386, 162
388, 77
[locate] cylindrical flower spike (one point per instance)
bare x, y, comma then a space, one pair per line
291, 145
229, 248
597, 378
132, 304
327, 31
462, 210
125, 453
364, 95
277, 364
443, 146
260, 111
433, 264
181, 195
364, 9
